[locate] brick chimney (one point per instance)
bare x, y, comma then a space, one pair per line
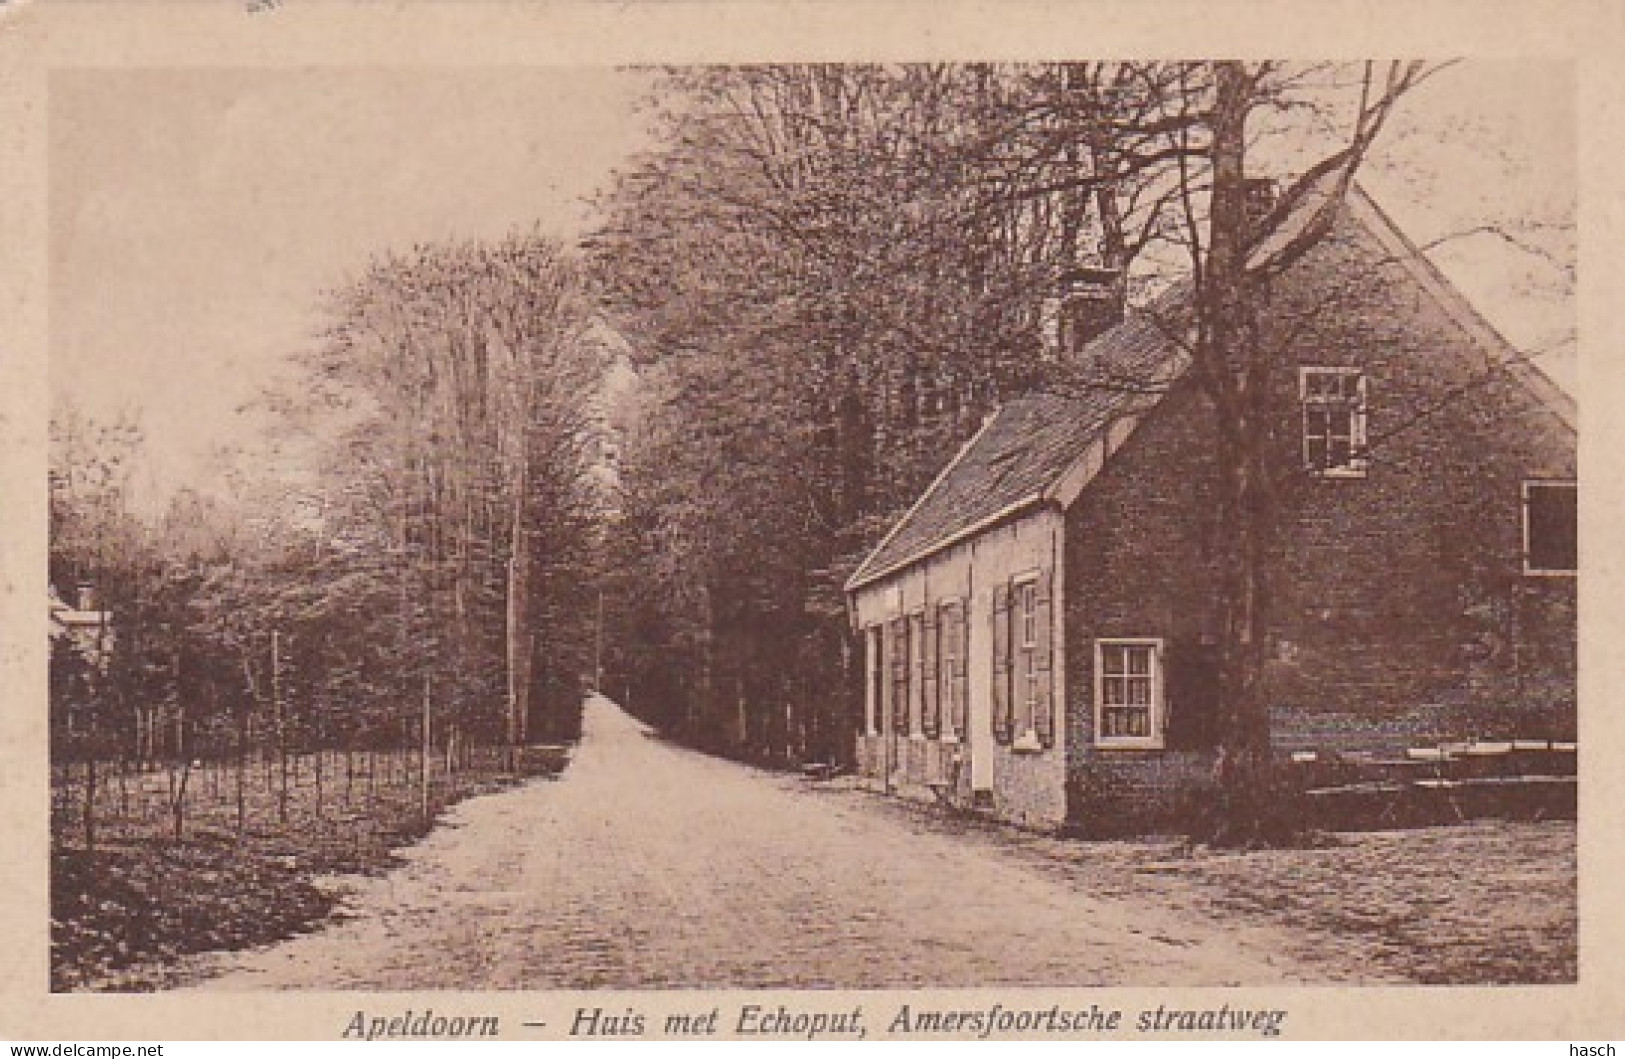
1261, 194
85, 597
1086, 304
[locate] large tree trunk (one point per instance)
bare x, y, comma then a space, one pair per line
89, 809
1237, 373
519, 635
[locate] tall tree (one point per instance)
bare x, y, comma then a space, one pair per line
457, 375
855, 262
1241, 375
836, 272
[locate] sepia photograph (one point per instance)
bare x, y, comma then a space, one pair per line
859, 526
794, 529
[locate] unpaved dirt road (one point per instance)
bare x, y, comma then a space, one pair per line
647, 865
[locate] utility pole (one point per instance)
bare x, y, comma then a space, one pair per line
423, 770
598, 648
281, 728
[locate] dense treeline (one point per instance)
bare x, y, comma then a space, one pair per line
830, 275
411, 545
827, 276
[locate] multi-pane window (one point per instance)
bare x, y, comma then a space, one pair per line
1551, 539
1128, 692
1334, 421
1026, 645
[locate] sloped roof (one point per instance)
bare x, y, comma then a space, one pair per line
1019, 458
1027, 446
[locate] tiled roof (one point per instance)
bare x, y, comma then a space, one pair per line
1031, 442
1020, 456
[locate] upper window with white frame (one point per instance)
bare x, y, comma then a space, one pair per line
1128, 693
1551, 539
1334, 421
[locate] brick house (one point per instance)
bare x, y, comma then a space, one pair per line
1039, 629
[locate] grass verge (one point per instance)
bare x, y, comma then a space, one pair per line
124, 912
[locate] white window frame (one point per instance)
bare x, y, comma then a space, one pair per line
1024, 619
1358, 461
947, 662
1523, 506
1154, 741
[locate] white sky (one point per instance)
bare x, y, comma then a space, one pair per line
1493, 144
197, 216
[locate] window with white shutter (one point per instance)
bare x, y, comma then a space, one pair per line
1023, 637
899, 676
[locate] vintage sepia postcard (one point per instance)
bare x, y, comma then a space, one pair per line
828, 522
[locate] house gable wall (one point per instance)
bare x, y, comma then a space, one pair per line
1402, 613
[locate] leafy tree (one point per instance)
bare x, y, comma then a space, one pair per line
455, 500
829, 274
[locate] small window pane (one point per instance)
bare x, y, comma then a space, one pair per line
1139, 660
1111, 659
1127, 723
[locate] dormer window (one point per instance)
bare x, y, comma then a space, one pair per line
1334, 414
